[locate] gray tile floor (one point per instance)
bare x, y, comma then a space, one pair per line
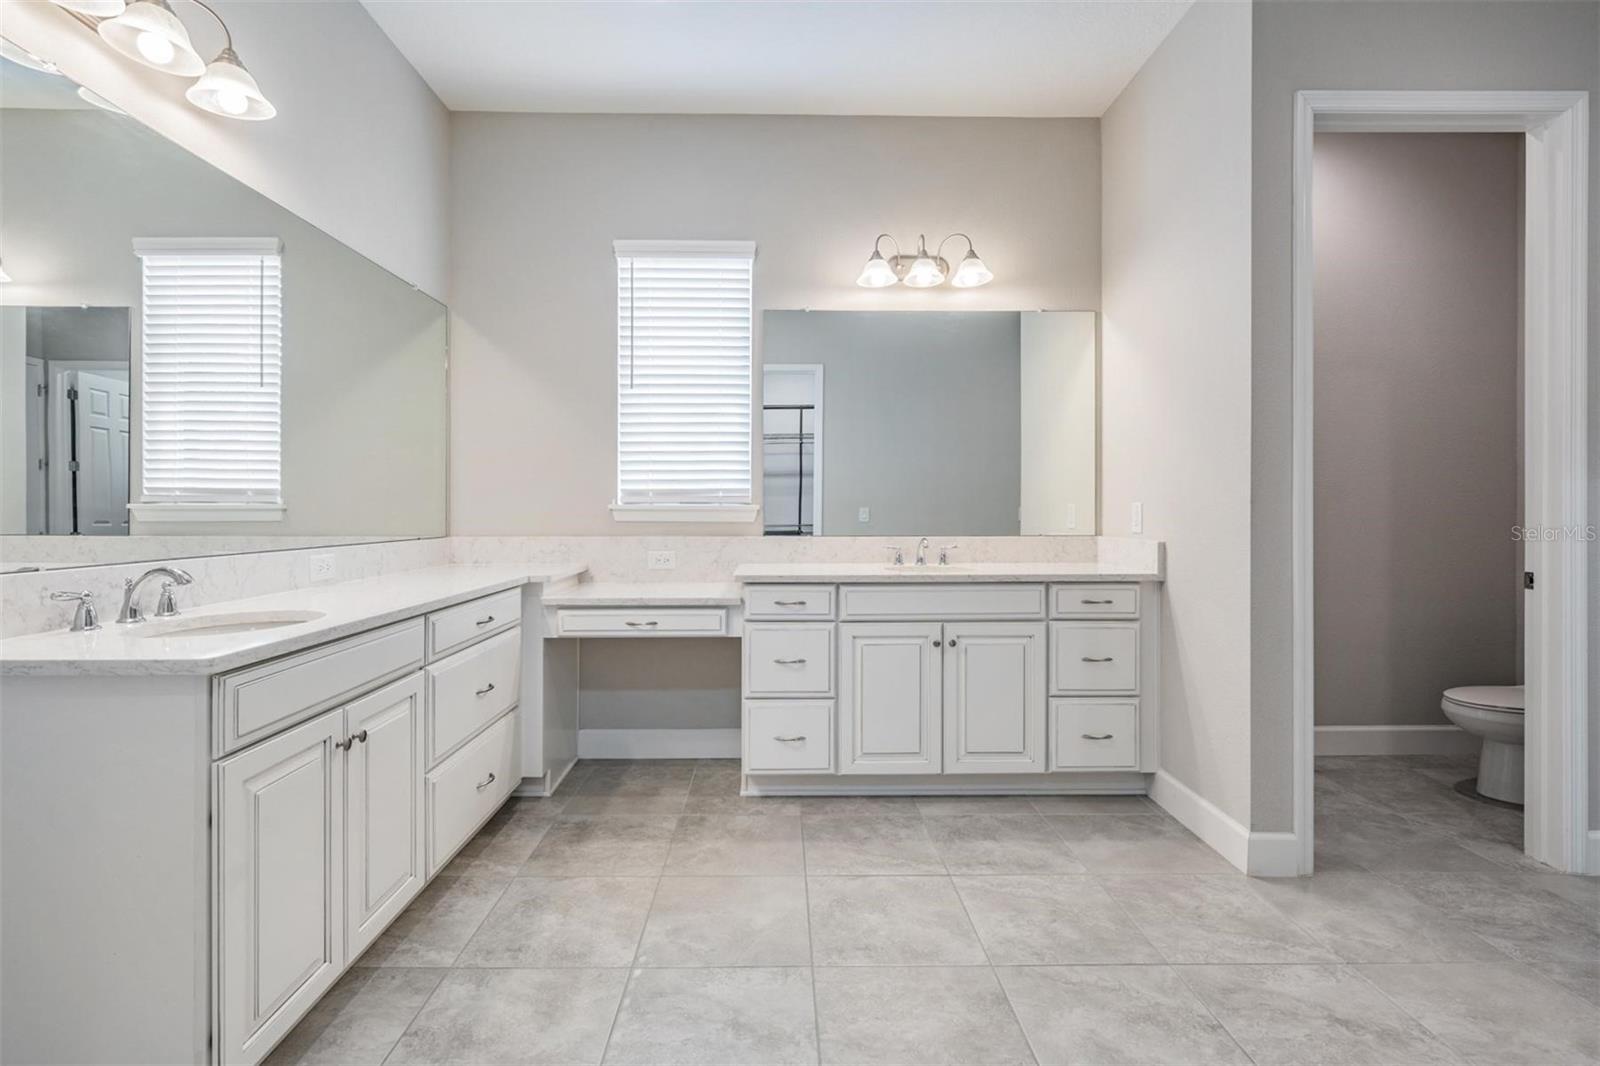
648, 914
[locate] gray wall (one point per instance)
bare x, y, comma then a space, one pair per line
659, 684
1333, 44
62, 333
538, 199
921, 417
1418, 246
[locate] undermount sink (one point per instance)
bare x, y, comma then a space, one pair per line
216, 625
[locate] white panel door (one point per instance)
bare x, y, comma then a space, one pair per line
38, 416
994, 697
280, 815
100, 445
889, 680
384, 863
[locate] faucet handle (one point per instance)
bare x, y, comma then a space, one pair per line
85, 618
899, 556
166, 603
944, 553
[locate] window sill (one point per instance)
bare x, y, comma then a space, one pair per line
685, 512
208, 512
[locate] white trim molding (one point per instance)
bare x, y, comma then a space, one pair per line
1555, 345
685, 512
207, 246
207, 512
1395, 740
1257, 854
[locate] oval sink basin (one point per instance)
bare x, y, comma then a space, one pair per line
216, 625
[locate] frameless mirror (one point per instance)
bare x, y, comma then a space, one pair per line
894, 423
182, 357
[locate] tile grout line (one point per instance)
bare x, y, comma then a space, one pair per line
415, 1014
1198, 998
811, 946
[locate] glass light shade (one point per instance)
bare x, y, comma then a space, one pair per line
877, 274
4, 277
24, 58
89, 96
150, 33
227, 89
100, 9
924, 273
971, 273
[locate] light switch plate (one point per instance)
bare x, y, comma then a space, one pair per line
322, 569
661, 560
1136, 521
864, 515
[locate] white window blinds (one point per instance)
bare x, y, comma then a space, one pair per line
683, 372
212, 371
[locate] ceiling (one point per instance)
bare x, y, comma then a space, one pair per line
913, 57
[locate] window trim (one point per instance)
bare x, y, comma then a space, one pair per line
689, 511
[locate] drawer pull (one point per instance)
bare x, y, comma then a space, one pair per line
484, 621
788, 603
485, 690
637, 625
486, 782
790, 740
790, 662
1092, 659
1096, 736
1098, 603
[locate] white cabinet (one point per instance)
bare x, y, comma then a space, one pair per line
994, 697
1094, 657
384, 863
889, 681
1094, 734
280, 815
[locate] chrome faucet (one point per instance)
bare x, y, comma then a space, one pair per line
944, 553
922, 552
166, 605
899, 556
85, 619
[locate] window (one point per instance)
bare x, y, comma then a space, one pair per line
211, 369
683, 380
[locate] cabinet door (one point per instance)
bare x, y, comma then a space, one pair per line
889, 698
384, 865
994, 698
280, 850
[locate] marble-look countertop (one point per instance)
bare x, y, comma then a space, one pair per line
645, 594
791, 573
347, 607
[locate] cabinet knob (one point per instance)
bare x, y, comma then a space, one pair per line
486, 782
362, 736
952, 642
938, 644
485, 690
344, 745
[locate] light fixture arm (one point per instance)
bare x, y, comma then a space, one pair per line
227, 34
940, 251
877, 244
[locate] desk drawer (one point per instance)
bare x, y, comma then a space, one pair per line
467, 623
1094, 601
626, 622
788, 660
788, 736
940, 602
1094, 734
258, 701
469, 786
788, 601
470, 689
1092, 657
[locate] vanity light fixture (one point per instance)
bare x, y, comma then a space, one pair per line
148, 31
4, 277
100, 9
24, 58
925, 269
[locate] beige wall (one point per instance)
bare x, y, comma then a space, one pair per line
1332, 44
538, 199
1175, 369
1418, 242
359, 148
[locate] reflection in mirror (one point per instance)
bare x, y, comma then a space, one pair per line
929, 423
181, 357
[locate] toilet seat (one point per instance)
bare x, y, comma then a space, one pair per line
1507, 699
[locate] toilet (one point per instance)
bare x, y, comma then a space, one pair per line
1493, 712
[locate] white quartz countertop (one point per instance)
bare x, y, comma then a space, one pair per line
790, 573
347, 607
645, 594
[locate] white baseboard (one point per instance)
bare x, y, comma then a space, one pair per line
658, 743
1591, 853
1395, 740
1257, 854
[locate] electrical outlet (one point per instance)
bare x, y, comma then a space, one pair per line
322, 568
1136, 520
658, 560
864, 514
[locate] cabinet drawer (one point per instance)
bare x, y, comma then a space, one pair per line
788, 601
253, 703
469, 786
625, 622
1094, 657
789, 660
938, 602
1094, 601
470, 689
456, 627
1094, 734
788, 736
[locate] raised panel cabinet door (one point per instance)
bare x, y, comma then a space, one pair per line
280, 851
384, 863
889, 683
994, 697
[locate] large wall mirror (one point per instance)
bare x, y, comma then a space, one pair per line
932, 423
182, 357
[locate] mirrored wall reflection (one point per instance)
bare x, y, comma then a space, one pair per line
180, 357
928, 423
